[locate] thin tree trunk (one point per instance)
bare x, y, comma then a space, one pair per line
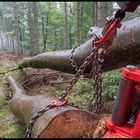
96, 14
70, 38
43, 34
124, 50
17, 30
13, 45
36, 31
47, 24
55, 43
78, 22
2, 20
93, 13
82, 6
66, 29
31, 30
20, 31
23, 28
102, 13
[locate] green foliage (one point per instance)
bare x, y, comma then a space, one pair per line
83, 92
110, 84
11, 34
84, 86
54, 23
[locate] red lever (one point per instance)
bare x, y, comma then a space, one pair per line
111, 28
57, 103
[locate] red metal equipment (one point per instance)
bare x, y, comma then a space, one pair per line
118, 124
57, 103
115, 24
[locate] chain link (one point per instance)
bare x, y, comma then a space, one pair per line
72, 58
32, 121
87, 61
97, 84
40, 113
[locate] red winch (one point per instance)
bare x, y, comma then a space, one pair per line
125, 119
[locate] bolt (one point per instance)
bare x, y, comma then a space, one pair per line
131, 67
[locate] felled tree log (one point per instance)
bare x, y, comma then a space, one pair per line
62, 122
124, 50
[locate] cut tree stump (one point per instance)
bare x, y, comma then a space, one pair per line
60, 122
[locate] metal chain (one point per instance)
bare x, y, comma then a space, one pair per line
87, 61
40, 113
9, 93
97, 66
32, 121
72, 59
64, 94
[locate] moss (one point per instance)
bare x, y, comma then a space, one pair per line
13, 131
9, 128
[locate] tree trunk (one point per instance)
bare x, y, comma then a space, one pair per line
31, 30
78, 22
2, 21
93, 13
102, 13
96, 14
61, 122
17, 30
124, 50
36, 31
66, 31
43, 33
82, 21
45, 24
55, 40
21, 39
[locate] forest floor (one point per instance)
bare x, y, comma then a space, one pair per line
34, 82
10, 126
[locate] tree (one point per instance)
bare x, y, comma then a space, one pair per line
78, 22
17, 29
95, 6
36, 30
102, 13
31, 30
45, 23
66, 29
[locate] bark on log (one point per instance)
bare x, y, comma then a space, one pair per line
63, 122
124, 50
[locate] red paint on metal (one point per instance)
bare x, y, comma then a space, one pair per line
114, 25
131, 74
127, 131
57, 103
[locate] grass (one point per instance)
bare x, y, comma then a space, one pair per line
9, 127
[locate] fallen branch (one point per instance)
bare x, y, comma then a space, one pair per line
38, 78
10, 70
